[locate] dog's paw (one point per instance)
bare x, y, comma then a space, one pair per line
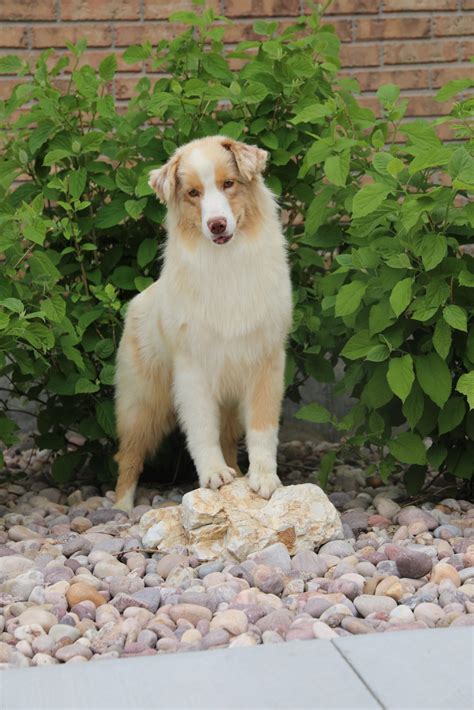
263, 480
216, 477
125, 505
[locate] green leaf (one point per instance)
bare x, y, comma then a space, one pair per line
413, 406
316, 212
434, 378
369, 198
64, 466
310, 114
137, 53
40, 135
466, 278
7, 430
142, 282
433, 250
325, 468
56, 156
314, 413
400, 376
453, 87
104, 412
126, 180
111, 214
436, 455
104, 348
85, 386
456, 317
400, 298
408, 448
378, 353
388, 93
451, 415
10, 64
349, 297
108, 67
147, 251
465, 385
107, 375
254, 92
13, 304
442, 338
336, 168
135, 208
77, 182
43, 270
54, 308
358, 345
216, 66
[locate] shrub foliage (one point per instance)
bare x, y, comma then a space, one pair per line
374, 226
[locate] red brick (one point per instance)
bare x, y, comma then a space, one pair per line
7, 85
343, 28
57, 35
357, 55
441, 75
405, 78
162, 9
126, 35
419, 5
14, 10
467, 50
424, 105
100, 9
352, 7
421, 52
455, 25
468, 5
11, 36
261, 8
399, 28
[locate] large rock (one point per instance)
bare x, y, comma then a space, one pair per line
235, 522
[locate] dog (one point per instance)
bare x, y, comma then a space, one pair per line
204, 346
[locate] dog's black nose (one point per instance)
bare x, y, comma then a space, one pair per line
217, 226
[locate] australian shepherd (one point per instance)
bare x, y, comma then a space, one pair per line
204, 346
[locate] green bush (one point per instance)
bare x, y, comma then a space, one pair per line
378, 275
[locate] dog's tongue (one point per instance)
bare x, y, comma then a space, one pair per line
222, 240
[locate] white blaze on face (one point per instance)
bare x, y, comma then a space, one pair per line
214, 203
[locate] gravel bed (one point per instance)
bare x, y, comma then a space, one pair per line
77, 585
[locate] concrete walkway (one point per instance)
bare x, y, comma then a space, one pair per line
408, 669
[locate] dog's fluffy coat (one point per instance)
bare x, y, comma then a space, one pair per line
204, 345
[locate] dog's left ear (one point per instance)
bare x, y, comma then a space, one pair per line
163, 180
251, 160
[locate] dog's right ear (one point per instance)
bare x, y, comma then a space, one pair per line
163, 180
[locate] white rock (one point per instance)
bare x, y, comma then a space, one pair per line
236, 521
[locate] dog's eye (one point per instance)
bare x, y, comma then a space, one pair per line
193, 193
227, 184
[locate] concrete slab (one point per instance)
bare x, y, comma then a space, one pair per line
296, 675
432, 668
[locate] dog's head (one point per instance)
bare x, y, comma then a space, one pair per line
210, 183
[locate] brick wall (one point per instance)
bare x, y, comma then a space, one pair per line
418, 44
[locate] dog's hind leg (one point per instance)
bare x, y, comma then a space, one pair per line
231, 432
144, 415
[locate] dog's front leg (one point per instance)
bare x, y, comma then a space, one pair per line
199, 416
262, 411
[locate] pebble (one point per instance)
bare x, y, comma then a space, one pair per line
231, 620
442, 571
80, 592
38, 616
367, 604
